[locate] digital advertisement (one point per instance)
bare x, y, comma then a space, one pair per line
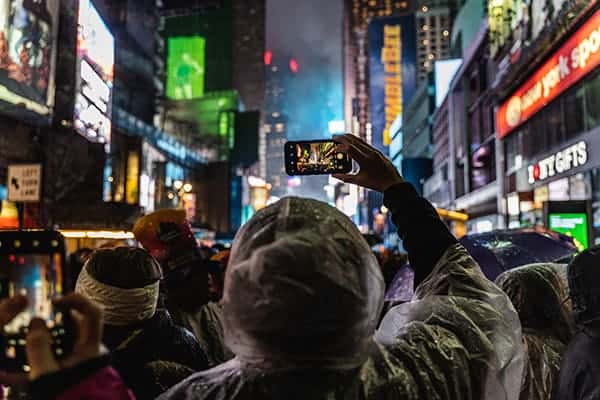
27, 53
96, 53
185, 67
579, 55
393, 73
574, 225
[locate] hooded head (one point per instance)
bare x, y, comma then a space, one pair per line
584, 286
538, 294
302, 288
124, 282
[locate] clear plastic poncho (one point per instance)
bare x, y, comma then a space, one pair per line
539, 293
303, 293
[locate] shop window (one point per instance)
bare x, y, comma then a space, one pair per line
511, 148
554, 126
574, 111
537, 138
580, 187
592, 102
483, 163
559, 190
475, 128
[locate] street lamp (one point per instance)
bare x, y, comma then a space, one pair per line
187, 187
178, 185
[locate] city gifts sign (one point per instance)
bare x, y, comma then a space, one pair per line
578, 56
392, 73
571, 157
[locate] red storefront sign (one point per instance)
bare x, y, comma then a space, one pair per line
576, 57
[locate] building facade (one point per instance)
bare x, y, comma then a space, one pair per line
279, 75
434, 23
548, 123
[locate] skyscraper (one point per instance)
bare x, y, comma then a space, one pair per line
434, 20
274, 133
248, 49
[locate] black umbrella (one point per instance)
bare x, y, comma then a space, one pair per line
501, 250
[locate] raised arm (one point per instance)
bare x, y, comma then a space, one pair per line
425, 236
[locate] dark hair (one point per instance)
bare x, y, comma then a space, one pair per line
124, 267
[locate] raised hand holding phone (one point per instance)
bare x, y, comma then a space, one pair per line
376, 171
315, 157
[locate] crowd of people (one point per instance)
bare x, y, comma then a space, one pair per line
296, 311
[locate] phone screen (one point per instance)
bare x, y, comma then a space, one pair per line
36, 276
32, 264
315, 157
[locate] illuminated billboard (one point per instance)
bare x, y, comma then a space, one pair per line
185, 67
96, 55
393, 73
574, 225
27, 53
577, 57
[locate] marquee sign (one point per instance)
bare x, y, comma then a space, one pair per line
579, 55
571, 157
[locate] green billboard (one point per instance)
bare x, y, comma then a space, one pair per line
185, 67
574, 225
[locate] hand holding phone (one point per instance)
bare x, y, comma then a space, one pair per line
40, 343
376, 170
31, 266
315, 157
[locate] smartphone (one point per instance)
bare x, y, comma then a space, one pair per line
32, 264
315, 157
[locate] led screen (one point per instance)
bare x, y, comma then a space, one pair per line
96, 55
574, 225
185, 67
393, 73
27, 53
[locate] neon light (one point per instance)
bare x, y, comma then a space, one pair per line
293, 65
576, 58
116, 235
391, 57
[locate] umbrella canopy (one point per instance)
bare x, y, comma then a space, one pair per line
501, 250
496, 252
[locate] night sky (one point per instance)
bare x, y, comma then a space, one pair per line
311, 31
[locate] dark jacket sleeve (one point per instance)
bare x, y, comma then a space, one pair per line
424, 234
92, 379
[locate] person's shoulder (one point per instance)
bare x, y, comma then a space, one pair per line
583, 349
207, 385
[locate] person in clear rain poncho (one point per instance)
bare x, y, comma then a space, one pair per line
302, 299
538, 293
580, 368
